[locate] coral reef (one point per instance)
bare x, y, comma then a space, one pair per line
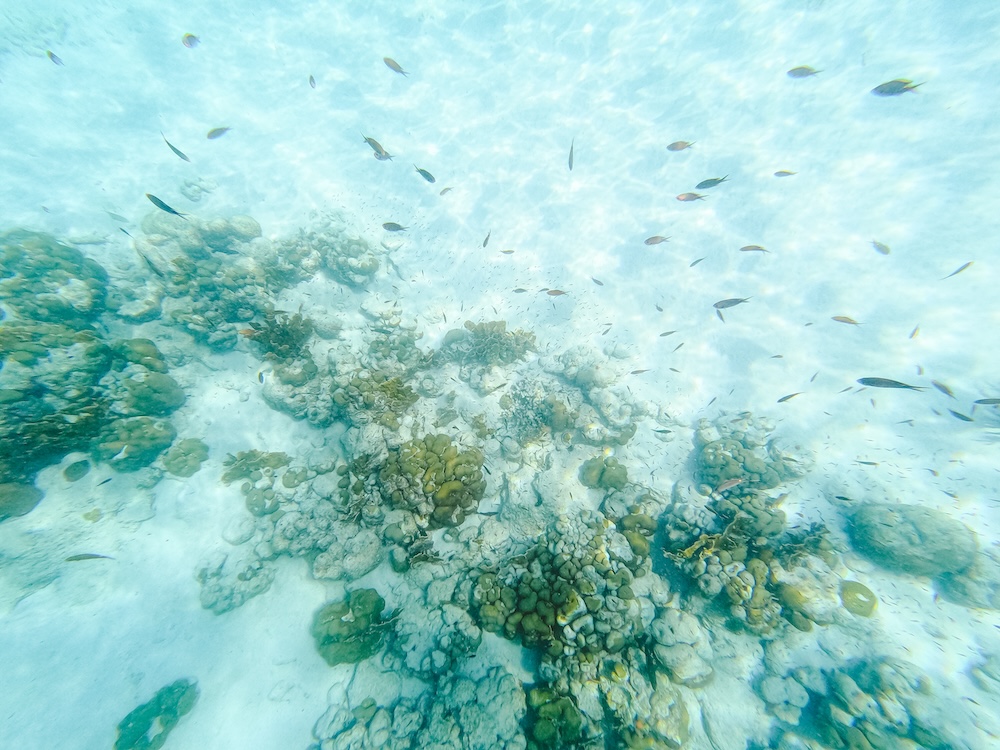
146, 727
350, 630
185, 457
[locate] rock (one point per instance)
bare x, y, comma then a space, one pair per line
912, 539
977, 586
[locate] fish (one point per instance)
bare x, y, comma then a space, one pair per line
146, 260
718, 314
730, 483
802, 71
915, 331
695, 262
680, 145
487, 240
163, 206
881, 247
445, 190
845, 319
711, 182
116, 217
519, 290
667, 333
784, 173
53, 57
789, 397
260, 377
312, 82
895, 87
394, 66
962, 417
656, 239
104, 481
886, 383
867, 463
571, 144
597, 281
190, 41
987, 401
777, 356
507, 252
958, 270
659, 309
425, 174
173, 148
731, 302
943, 388
754, 249
380, 153
125, 232
88, 556
678, 346
688, 197
391, 226
663, 432
638, 372
217, 133
556, 292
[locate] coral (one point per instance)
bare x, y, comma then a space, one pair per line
978, 585
146, 727
132, 443
76, 470
43, 280
568, 594
436, 642
229, 580
18, 499
603, 472
554, 721
247, 464
912, 539
281, 337
374, 397
350, 630
185, 457
682, 646
482, 345
433, 479
857, 598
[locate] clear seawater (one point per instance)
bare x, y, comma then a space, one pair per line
875, 258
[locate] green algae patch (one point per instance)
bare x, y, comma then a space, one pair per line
18, 499
857, 598
146, 727
76, 470
603, 473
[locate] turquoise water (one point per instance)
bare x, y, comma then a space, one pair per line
664, 511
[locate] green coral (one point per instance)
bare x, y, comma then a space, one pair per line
857, 598
18, 499
131, 443
375, 396
247, 464
603, 472
185, 457
281, 337
485, 344
554, 720
727, 459
350, 630
146, 727
434, 479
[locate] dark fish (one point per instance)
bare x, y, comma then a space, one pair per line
391, 226
487, 240
895, 87
519, 290
718, 314
886, 383
104, 481
190, 41
125, 232
662, 432
116, 217
731, 302
656, 239
597, 281
915, 331
571, 144
881, 247
659, 309
678, 346
394, 66
943, 388
173, 148
695, 262
88, 556
53, 57
146, 260
802, 71
638, 372
425, 174
688, 197
867, 463
163, 206
956, 415
680, 145
987, 401
260, 377
667, 333
789, 397
217, 133
777, 356
845, 319
445, 190
555, 292
784, 173
753, 249
711, 183
312, 82
958, 270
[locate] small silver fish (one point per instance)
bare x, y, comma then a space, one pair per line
784, 173
711, 183
789, 397
217, 133
881, 247
394, 66
886, 383
656, 239
163, 206
731, 302
571, 144
754, 249
173, 148
895, 87
312, 82
958, 270
943, 388
53, 57
391, 226
688, 197
680, 145
487, 240
425, 174
802, 71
